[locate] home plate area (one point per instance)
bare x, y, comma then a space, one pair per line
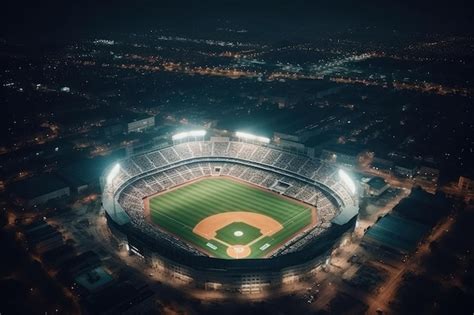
237, 231
238, 251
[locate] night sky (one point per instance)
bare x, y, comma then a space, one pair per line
52, 18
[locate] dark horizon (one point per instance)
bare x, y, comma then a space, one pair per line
83, 17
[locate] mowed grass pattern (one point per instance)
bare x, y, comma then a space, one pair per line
179, 210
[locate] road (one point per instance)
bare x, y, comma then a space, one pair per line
96, 236
387, 293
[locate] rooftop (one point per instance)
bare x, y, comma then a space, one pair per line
397, 233
377, 182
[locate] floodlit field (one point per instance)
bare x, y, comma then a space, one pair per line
227, 218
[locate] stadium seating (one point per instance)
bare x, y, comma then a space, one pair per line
150, 173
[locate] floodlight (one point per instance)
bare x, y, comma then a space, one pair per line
194, 133
113, 173
179, 136
197, 133
346, 179
249, 136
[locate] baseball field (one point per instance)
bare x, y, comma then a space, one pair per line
229, 219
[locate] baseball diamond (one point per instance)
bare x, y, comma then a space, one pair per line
229, 219
238, 233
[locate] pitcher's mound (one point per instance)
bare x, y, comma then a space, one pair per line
238, 251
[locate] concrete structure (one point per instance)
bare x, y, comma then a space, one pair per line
169, 255
277, 136
382, 165
396, 233
344, 156
375, 186
140, 124
428, 173
405, 169
427, 177
292, 145
466, 184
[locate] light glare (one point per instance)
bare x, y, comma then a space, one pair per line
346, 179
249, 136
194, 133
113, 172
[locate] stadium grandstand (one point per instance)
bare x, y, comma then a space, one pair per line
254, 160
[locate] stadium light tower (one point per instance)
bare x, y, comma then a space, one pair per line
251, 137
347, 180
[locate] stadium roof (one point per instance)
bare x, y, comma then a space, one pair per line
94, 279
346, 215
346, 149
134, 116
397, 233
377, 183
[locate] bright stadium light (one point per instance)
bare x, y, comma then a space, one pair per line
113, 172
194, 133
249, 136
346, 179
197, 133
179, 136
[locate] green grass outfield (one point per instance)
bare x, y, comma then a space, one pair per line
179, 210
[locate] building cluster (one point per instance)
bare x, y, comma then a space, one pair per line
85, 273
397, 234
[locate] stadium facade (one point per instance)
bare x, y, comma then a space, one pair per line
256, 160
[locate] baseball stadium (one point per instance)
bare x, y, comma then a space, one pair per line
239, 213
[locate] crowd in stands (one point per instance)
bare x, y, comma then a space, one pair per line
301, 165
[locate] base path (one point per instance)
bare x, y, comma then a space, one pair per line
209, 226
267, 226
